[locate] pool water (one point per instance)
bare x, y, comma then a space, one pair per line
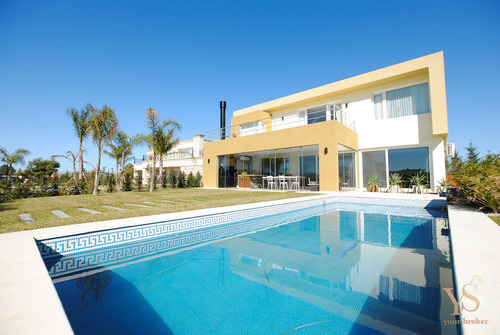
340, 272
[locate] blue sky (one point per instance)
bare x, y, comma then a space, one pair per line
183, 57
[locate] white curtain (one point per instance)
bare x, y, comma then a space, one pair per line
406, 101
379, 112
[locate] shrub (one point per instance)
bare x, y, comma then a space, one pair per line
127, 183
198, 180
110, 183
164, 180
172, 180
138, 181
191, 181
181, 180
479, 182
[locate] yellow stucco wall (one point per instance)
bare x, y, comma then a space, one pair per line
431, 66
325, 134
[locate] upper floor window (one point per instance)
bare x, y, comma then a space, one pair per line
412, 100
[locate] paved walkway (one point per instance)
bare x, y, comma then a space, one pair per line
476, 261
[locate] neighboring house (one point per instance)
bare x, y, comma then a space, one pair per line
333, 137
187, 156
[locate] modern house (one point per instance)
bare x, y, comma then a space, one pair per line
186, 156
337, 136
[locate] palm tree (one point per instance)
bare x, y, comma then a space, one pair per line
126, 143
160, 139
103, 126
17, 157
81, 125
152, 123
165, 139
73, 158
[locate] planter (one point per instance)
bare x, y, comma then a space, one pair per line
372, 188
394, 189
245, 184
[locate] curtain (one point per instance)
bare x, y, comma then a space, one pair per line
407, 101
379, 112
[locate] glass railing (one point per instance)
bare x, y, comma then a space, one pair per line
281, 121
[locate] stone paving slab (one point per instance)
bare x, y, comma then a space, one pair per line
91, 211
136, 205
116, 208
27, 218
60, 214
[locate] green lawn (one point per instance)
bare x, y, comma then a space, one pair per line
165, 201
495, 219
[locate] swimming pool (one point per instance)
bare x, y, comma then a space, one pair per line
338, 268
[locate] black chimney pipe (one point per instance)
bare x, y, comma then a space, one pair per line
222, 120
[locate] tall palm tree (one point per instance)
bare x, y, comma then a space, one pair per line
103, 126
81, 125
17, 157
165, 140
160, 139
152, 123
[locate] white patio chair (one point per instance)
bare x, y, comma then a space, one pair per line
270, 182
283, 183
295, 184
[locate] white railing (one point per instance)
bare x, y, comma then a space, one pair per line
281, 121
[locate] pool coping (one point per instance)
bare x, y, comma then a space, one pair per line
474, 240
24, 271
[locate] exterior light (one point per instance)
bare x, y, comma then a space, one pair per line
326, 151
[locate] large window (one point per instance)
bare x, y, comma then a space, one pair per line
374, 165
408, 162
347, 168
412, 100
297, 164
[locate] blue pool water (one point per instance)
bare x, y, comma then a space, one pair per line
340, 272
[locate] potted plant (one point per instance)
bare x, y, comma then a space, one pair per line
243, 177
394, 181
443, 184
418, 181
373, 184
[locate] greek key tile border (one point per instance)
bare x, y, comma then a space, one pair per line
155, 247
74, 244
100, 239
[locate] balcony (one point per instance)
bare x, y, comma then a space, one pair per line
324, 113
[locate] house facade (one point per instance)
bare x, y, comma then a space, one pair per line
186, 156
341, 135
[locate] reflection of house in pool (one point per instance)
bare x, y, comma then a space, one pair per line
338, 258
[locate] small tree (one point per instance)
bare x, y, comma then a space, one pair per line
472, 153
110, 182
172, 180
191, 181
41, 170
138, 180
181, 180
198, 179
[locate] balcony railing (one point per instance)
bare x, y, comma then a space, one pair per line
173, 155
281, 121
